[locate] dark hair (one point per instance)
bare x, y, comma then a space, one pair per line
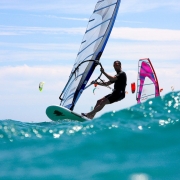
117, 62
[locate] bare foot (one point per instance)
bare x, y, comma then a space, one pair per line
90, 116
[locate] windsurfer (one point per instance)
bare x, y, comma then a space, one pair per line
118, 93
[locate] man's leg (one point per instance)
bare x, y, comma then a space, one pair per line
102, 102
97, 104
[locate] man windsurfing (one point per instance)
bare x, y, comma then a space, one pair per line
119, 80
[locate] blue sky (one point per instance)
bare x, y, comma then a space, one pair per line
39, 41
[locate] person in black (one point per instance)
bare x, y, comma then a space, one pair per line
118, 93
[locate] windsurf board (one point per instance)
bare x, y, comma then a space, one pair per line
56, 113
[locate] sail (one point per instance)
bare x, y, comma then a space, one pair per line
147, 83
94, 41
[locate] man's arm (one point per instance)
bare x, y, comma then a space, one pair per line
102, 83
111, 78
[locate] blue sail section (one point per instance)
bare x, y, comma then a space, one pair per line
94, 41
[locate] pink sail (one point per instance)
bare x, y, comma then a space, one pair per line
147, 83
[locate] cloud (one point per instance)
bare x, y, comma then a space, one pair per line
132, 51
40, 46
158, 51
145, 34
38, 52
82, 7
127, 33
65, 18
26, 72
22, 80
36, 57
63, 6
20, 30
8, 33
132, 22
138, 6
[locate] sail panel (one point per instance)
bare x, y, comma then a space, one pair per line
72, 85
92, 45
147, 83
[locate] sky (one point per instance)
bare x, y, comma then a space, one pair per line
39, 41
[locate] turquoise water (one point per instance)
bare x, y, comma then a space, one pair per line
138, 143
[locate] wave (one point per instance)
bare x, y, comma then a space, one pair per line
154, 113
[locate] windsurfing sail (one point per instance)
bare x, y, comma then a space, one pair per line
147, 82
94, 41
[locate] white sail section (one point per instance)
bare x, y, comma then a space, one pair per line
97, 33
147, 90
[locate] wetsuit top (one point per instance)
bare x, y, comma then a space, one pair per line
120, 83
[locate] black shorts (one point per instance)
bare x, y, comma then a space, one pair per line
115, 96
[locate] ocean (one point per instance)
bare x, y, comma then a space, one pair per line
141, 142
